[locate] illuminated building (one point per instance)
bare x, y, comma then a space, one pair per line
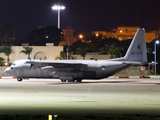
123, 33
68, 36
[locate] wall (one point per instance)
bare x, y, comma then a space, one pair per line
88, 57
51, 52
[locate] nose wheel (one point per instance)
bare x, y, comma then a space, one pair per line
19, 79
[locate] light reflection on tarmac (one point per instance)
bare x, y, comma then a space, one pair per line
106, 96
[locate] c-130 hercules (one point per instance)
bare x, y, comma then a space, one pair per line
71, 70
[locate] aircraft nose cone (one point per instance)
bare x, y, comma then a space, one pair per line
8, 70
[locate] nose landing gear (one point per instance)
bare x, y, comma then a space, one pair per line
19, 79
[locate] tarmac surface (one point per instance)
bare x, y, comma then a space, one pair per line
106, 96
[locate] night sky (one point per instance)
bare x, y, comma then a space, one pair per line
82, 15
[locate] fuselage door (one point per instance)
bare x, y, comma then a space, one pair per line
21, 73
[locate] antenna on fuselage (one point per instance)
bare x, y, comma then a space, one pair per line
45, 58
31, 67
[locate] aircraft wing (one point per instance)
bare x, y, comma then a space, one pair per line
58, 65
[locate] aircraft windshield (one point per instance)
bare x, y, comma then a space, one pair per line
13, 64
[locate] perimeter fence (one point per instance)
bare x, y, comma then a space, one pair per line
135, 71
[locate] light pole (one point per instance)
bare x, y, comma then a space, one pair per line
58, 7
156, 42
67, 52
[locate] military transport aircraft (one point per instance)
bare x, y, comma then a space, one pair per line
71, 70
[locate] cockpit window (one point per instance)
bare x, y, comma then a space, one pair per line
14, 64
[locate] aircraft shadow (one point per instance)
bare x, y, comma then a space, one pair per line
150, 83
105, 82
93, 82
96, 82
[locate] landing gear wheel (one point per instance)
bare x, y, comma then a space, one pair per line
71, 80
63, 80
19, 79
79, 80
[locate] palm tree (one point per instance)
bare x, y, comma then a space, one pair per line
27, 50
62, 55
1, 60
111, 50
82, 52
7, 51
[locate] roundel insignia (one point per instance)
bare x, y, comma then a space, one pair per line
103, 67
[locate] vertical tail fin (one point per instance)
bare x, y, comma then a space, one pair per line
137, 48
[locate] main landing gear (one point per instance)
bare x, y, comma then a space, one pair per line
78, 80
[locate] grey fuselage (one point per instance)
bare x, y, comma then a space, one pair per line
93, 69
